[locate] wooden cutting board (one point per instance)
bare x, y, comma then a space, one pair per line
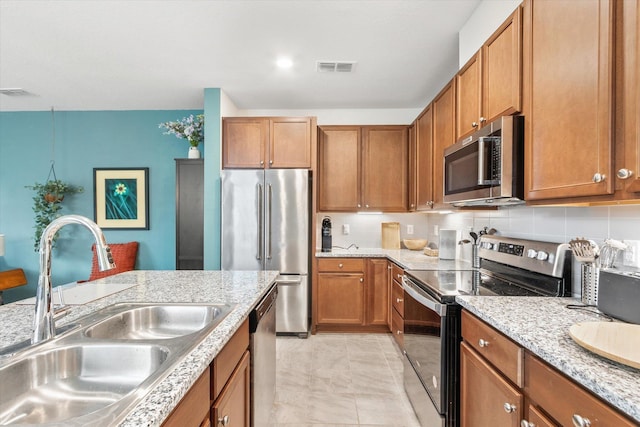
614, 340
390, 235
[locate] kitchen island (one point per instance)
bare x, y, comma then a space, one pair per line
541, 326
242, 290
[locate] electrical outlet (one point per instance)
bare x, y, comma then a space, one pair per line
409, 229
631, 256
345, 229
435, 230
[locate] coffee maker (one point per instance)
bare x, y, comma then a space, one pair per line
326, 234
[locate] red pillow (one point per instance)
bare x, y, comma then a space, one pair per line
124, 255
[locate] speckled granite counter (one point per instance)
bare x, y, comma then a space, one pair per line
244, 289
541, 325
409, 260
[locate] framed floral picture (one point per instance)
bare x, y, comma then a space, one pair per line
121, 198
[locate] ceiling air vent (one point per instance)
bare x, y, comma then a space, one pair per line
335, 66
14, 92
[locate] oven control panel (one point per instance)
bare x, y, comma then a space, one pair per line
542, 257
511, 249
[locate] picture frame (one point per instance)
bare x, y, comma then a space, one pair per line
121, 198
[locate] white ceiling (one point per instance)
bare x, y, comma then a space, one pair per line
143, 54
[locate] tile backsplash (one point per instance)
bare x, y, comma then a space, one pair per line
555, 224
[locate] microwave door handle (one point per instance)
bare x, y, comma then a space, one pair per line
423, 298
481, 162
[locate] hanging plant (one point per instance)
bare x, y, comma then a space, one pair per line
47, 203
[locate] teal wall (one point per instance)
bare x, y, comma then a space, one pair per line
212, 184
84, 140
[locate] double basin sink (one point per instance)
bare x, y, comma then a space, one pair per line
103, 365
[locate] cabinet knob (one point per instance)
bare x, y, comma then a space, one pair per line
599, 177
578, 421
624, 173
261, 162
340, 265
399, 276
483, 119
430, 203
509, 408
270, 162
525, 423
399, 300
389, 267
398, 332
366, 206
411, 205
361, 280
474, 124
483, 343
359, 205
224, 421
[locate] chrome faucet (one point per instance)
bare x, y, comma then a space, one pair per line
43, 323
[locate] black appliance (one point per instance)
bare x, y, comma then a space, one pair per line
487, 167
326, 234
432, 331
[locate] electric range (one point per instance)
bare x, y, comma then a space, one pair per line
432, 331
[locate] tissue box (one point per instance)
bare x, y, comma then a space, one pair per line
619, 295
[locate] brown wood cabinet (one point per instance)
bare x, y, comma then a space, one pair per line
267, 142
487, 399
444, 119
232, 407
397, 305
568, 76
424, 160
352, 294
490, 84
628, 95
363, 168
500, 381
223, 390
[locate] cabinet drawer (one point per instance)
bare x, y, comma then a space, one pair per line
397, 328
561, 398
499, 350
354, 265
397, 297
396, 273
226, 361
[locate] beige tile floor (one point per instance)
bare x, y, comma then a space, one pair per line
340, 380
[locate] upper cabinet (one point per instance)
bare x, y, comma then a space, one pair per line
628, 95
267, 142
423, 161
363, 168
490, 83
444, 119
568, 98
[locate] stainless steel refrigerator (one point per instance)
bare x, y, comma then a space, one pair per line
265, 226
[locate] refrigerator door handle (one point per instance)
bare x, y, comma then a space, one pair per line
269, 201
260, 222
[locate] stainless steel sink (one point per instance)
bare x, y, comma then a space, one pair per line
91, 374
157, 322
62, 383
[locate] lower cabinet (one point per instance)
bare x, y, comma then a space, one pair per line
501, 384
352, 294
221, 396
397, 305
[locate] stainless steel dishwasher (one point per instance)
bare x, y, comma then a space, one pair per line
262, 344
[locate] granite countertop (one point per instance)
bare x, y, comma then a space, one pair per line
541, 325
409, 260
242, 289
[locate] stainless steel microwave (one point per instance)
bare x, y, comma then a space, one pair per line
487, 167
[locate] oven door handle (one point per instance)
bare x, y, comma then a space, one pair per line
423, 298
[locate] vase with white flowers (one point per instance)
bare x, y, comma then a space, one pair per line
190, 128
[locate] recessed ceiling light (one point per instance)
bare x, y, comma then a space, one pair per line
284, 63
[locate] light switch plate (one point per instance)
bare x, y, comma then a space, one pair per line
409, 229
346, 229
